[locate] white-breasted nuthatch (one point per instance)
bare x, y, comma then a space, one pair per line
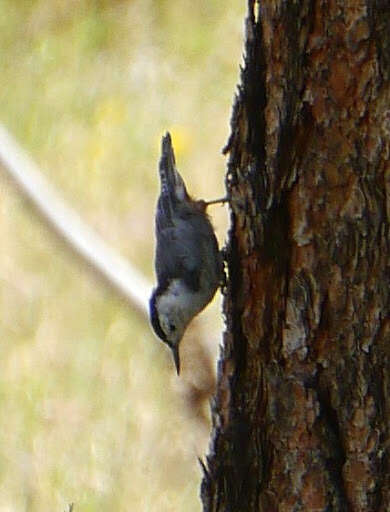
188, 263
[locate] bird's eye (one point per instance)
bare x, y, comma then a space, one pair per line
172, 327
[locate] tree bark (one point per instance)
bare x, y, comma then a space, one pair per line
302, 410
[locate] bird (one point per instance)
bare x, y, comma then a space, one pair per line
188, 262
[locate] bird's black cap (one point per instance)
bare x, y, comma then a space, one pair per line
154, 318
160, 333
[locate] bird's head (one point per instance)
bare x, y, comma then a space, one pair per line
169, 321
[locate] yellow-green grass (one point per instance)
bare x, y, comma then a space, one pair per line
89, 407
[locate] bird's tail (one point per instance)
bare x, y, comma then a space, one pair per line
172, 184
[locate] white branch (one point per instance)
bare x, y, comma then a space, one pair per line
116, 271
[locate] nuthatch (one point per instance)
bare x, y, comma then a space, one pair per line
188, 263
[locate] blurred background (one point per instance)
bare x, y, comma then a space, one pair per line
91, 410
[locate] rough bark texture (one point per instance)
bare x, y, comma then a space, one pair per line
301, 417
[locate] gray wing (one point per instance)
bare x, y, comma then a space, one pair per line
179, 253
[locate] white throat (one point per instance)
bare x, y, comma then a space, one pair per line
179, 303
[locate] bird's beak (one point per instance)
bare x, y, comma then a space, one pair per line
176, 357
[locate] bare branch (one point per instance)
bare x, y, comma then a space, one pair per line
65, 222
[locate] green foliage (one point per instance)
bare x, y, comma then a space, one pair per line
87, 414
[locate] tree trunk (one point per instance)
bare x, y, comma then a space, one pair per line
302, 411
